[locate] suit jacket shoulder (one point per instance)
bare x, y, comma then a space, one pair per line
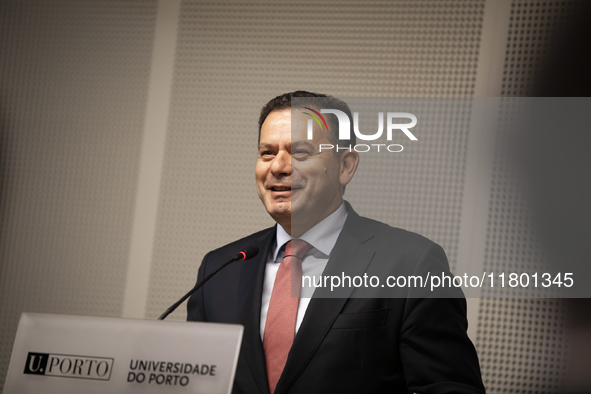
228, 278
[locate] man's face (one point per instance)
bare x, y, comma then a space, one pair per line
299, 185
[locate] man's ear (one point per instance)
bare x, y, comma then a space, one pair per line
349, 162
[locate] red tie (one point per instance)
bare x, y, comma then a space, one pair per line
283, 310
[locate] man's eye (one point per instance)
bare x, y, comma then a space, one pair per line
266, 153
300, 154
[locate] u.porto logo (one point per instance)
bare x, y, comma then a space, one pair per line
69, 366
36, 363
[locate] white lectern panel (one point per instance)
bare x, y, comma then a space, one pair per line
78, 354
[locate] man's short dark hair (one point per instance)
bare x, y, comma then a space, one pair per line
317, 101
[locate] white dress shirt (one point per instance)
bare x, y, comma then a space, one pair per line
322, 237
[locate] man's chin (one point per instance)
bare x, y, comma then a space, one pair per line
279, 210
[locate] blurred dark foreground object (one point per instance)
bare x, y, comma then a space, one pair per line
558, 161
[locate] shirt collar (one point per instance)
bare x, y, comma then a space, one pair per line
322, 236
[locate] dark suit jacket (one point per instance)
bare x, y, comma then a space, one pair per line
349, 345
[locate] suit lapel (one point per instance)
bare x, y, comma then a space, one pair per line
351, 255
250, 293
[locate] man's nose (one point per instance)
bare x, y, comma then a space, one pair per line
281, 165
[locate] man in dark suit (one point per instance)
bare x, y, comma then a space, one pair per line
410, 341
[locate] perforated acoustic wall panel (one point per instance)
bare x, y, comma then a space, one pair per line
232, 57
521, 342
73, 84
534, 27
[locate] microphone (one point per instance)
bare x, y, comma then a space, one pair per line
245, 254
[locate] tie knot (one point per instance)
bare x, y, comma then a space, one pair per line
297, 248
